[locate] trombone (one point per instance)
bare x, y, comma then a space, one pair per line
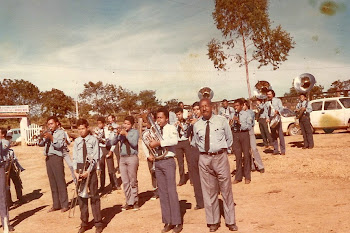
83, 183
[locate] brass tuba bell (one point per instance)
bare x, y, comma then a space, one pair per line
261, 88
304, 83
205, 93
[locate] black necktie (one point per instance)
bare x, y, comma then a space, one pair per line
179, 130
207, 138
269, 112
127, 144
48, 144
1, 157
84, 150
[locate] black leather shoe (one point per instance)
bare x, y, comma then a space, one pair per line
167, 227
275, 153
52, 210
232, 227
65, 209
82, 229
99, 229
262, 170
197, 207
214, 227
177, 228
11, 228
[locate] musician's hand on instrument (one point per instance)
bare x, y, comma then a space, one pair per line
154, 144
110, 153
123, 132
77, 176
193, 121
151, 158
48, 135
84, 175
267, 120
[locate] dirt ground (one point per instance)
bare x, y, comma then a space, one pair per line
303, 191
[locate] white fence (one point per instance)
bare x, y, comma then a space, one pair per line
31, 132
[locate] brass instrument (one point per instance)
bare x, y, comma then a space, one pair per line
275, 120
99, 135
261, 88
153, 134
41, 135
303, 84
82, 187
205, 93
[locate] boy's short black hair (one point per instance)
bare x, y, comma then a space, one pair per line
165, 111
82, 122
178, 110
195, 104
240, 101
3, 131
131, 119
54, 118
102, 119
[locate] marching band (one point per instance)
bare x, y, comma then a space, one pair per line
200, 136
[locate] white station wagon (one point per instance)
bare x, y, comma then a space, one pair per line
330, 113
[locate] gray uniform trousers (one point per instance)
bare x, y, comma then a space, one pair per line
3, 203
264, 131
276, 133
255, 152
110, 166
197, 187
55, 172
215, 176
128, 166
181, 149
241, 144
94, 202
151, 169
306, 130
169, 200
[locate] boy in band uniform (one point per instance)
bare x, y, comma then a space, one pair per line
86, 155
183, 147
106, 155
165, 173
212, 135
262, 117
54, 143
243, 123
255, 153
304, 121
129, 162
4, 212
194, 159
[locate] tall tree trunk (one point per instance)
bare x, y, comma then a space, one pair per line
246, 67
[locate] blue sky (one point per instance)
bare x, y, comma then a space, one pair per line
159, 45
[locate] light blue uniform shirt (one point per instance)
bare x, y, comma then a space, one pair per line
220, 136
276, 104
306, 104
252, 114
57, 145
264, 108
4, 149
133, 139
228, 112
245, 120
93, 151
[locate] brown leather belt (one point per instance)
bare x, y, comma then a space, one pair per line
214, 153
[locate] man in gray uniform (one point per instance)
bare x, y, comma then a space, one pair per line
54, 142
4, 213
275, 107
262, 117
212, 135
304, 121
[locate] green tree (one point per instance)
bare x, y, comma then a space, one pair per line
20, 92
56, 103
128, 100
245, 24
100, 98
148, 99
172, 103
337, 86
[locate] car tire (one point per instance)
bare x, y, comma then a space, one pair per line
328, 130
293, 130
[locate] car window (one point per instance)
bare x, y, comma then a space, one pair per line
345, 102
331, 105
316, 106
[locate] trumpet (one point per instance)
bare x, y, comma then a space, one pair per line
41, 134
